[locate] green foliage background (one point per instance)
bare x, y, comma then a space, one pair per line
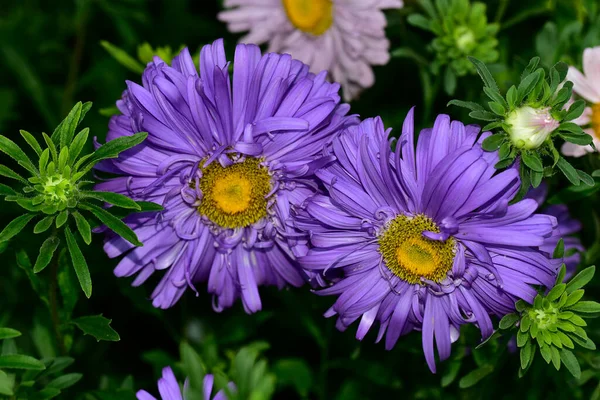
51, 57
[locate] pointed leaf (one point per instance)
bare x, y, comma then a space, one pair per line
43, 225
570, 361
111, 149
19, 361
485, 74
8, 333
98, 327
13, 151
15, 226
35, 145
569, 171
79, 264
46, 253
113, 223
122, 57
466, 104
77, 145
115, 199
581, 279
532, 160
9, 173
83, 227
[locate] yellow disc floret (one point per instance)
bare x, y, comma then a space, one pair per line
310, 16
235, 196
596, 119
411, 256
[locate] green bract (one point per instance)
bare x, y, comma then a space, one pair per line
461, 30
54, 191
555, 323
528, 120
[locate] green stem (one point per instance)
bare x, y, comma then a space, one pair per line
53, 298
501, 10
80, 33
324, 366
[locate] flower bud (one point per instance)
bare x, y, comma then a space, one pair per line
530, 127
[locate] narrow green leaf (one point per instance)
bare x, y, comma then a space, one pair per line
111, 149
527, 85
581, 279
546, 353
146, 206
51, 147
77, 145
79, 264
570, 361
6, 190
496, 97
508, 321
8, 333
115, 199
497, 108
66, 130
466, 104
485, 74
11, 149
559, 250
9, 173
419, 21
35, 145
568, 170
586, 307
526, 354
43, 162
44, 224
62, 218
46, 253
532, 160
484, 115
574, 297
493, 142
556, 292
555, 357
122, 57
112, 223
98, 327
83, 227
64, 381
575, 110
473, 377
581, 138
585, 178
511, 97
19, 361
15, 226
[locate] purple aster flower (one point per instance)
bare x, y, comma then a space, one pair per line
169, 388
423, 239
566, 229
228, 160
344, 37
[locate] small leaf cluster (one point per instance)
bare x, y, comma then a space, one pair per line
26, 377
555, 323
461, 29
54, 192
540, 92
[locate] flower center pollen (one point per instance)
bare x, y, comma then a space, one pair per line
596, 119
235, 196
411, 256
310, 16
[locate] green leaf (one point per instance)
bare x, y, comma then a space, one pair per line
146, 206
115, 199
8, 333
65, 131
559, 250
580, 138
587, 307
581, 279
296, 373
46, 394
574, 297
585, 178
485, 74
511, 97
123, 58
46, 253
112, 223
556, 292
79, 264
555, 357
77, 145
35, 145
9, 173
466, 104
419, 21
570, 361
61, 218
19, 361
58, 364
43, 224
13, 151
15, 226
473, 377
575, 110
6, 190
98, 327
449, 81
532, 160
483, 115
527, 85
493, 142
193, 365
111, 149
83, 227
65, 381
569, 171
497, 108
508, 321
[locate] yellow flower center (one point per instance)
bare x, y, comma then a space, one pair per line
411, 256
310, 16
235, 196
596, 119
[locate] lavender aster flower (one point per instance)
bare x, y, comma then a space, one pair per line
425, 238
345, 37
228, 161
169, 388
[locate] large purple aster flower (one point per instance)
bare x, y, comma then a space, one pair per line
169, 388
424, 239
228, 160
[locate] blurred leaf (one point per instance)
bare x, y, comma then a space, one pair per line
98, 327
8, 333
46, 253
473, 377
294, 372
19, 361
122, 57
15, 226
64, 381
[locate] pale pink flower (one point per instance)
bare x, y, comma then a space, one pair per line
344, 37
587, 85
